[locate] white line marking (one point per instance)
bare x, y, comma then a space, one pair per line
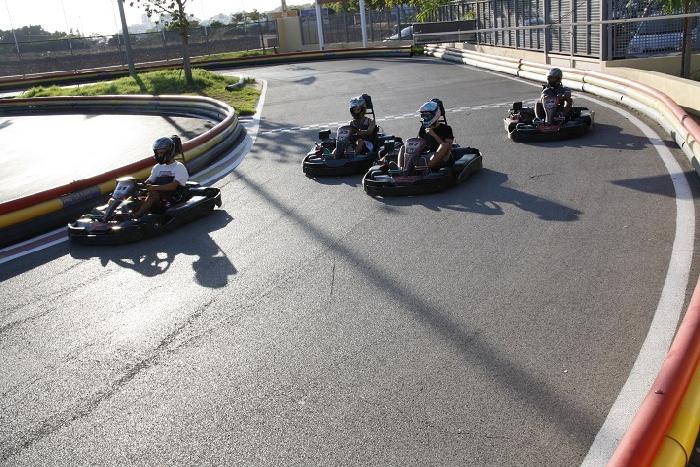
31, 240
663, 326
227, 164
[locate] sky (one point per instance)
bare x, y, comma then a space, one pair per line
102, 16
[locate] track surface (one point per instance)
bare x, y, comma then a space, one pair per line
71, 147
307, 323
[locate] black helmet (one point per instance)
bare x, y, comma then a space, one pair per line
554, 77
163, 149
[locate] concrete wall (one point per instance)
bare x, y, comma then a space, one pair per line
685, 92
670, 65
289, 32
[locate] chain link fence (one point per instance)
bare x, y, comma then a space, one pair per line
76, 53
345, 26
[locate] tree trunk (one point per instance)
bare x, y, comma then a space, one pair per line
184, 33
686, 45
186, 56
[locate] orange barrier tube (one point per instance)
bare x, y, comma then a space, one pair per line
646, 433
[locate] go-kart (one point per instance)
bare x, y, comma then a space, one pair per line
320, 162
522, 124
112, 223
415, 178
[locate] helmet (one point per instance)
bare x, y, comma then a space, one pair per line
358, 107
429, 113
554, 77
163, 143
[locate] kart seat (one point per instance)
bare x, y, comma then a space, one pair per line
186, 205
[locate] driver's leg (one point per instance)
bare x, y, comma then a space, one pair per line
151, 200
568, 109
539, 111
400, 159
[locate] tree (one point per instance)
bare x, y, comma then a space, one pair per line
254, 15
178, 19
238, 17
674, 6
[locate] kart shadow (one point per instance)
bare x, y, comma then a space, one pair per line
350, 180
154, 256
485, 194
603, 136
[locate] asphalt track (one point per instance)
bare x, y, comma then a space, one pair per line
71, 147
308, 323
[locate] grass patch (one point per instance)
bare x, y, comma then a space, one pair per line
157, 83
228, 55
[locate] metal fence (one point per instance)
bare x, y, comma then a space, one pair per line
37, 56
585, 28
344, 26
653, 36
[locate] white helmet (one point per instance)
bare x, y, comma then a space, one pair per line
429, 113
358, 106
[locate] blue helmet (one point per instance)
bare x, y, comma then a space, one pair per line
429, 113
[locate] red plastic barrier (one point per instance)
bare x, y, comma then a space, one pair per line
53, 193
646, 433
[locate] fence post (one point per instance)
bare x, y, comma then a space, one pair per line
547, 32
345, 21
165, 45
398, 20
603, 31
319, 26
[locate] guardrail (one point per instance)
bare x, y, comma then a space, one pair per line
28, 215
666, 426
14, 82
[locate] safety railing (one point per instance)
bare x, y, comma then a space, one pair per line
602, 39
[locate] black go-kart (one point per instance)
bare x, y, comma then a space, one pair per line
112, 223
522, 124
320, 162
415, 178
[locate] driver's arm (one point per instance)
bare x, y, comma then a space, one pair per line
438, 140
167, 187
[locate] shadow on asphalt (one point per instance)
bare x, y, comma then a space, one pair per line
154, 256
658, 185
485, 193
534, 392
602, 135
306, 81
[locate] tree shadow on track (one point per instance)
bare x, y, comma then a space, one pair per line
485, 193
556, 407
603, 136
154, 256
